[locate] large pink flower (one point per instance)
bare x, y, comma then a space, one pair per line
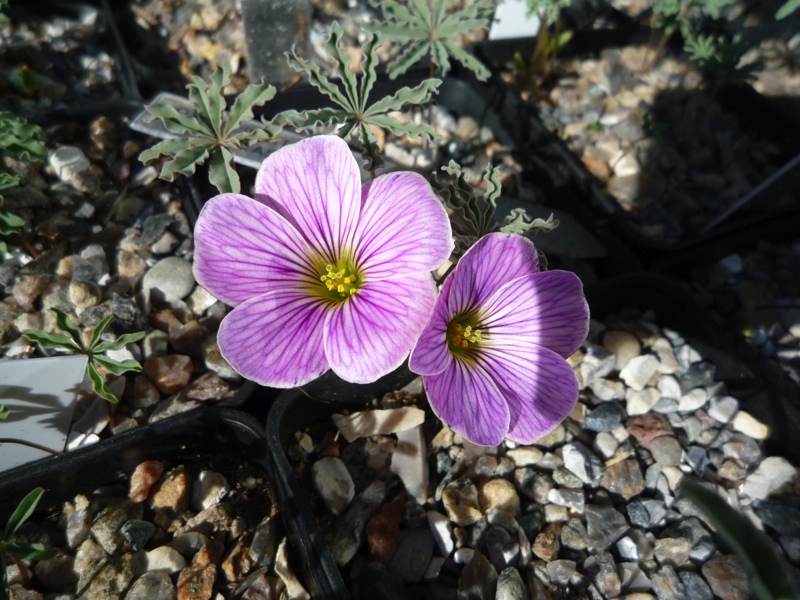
492, 356
322, 273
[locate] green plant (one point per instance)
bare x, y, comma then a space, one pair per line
16, 550
720, 57
472, 216
94, 349
769, 576
787, 9
3, 16
211, 135
4, 412
424, 27
355, 114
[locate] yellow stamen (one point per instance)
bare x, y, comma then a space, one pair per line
340, 289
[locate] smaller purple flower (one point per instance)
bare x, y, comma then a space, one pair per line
493, 355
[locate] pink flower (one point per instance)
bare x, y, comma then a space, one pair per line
492, 356
322, 273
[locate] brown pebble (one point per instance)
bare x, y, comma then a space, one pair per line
196, 582
547, 544
728, 577
143, 478
170, 496
383, 530
206, 387
237, 561
647, 427
171, 373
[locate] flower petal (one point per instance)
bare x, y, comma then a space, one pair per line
493, 261
547, 308
430, 355
318, 182
539, 386
371, 333
403, 227
276, 339
468, 401
244, 249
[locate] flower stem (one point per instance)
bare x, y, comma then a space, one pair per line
30, 444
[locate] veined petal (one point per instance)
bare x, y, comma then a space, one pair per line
547, 308
539, 386
372, 332
318, 182
468, 401
403, 227
430, 355
244, 249
493, 261
276, 339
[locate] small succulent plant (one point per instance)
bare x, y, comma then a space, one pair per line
355, 114
20, 551
720, 57
212, 134
425, 28
472, 216
94, 349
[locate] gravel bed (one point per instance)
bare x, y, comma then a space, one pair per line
199, 529
591, 511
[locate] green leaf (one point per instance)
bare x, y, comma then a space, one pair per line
185, 162
317, 79
399, 128
177, 122
455, 24
469, 61
8, 181
309, 119
167, 148
30, 551
334, 50
405, 97
116, 367
221, 173
368, 72
98, 331
4, 412
787, 9
396, 32
19, 139
255, 94
99, 385
248, 138
370, 148
769, 576
22, 512
519, 222
9, 222
439, 57
410, 56
65, 324
50, 340
119, 343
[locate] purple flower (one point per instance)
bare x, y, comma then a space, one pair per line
492, 356
322, 273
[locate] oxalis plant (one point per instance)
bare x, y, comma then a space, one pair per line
20, 551
212, 133
94, 349
354, 114
426, 28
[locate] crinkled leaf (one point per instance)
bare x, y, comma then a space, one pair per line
99, 384
439, 57
317, 79
24, 510
99, 329
221, 173
116, 367
19, 139
30, 551
399, 128
7, 181
4, 412
397, 32
410, 56
369, 62
309, 119
185, 162
50, 340
469, 61
769, 576
248, 138
177, 122
171, 148
65, 324
519, 222
398, 12
336, 52
787, 9
455, 24
404, 97
120, 342
255, 94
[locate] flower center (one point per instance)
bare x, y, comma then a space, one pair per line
463, 334
339, 281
